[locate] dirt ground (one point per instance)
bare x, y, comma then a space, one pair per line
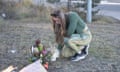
16, 37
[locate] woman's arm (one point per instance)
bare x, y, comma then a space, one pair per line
73, 24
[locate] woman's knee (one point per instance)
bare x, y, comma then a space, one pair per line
70, 42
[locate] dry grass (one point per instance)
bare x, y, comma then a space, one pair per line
104, 51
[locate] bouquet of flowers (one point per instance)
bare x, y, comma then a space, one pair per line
38, 51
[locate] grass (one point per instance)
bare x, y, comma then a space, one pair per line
104, 45
105, 19
23, 33
102, 53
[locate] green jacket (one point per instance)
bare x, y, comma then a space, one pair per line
76, 24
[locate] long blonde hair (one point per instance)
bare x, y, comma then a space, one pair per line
59, 29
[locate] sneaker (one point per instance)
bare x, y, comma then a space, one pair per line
81, 56
85, 50
78, 57
55, 55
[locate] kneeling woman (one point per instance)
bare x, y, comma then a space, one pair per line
71, 31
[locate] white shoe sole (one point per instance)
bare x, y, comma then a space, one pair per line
80, 58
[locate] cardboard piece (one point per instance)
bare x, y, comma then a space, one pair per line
34, 67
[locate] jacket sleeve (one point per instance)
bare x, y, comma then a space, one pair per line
72, 25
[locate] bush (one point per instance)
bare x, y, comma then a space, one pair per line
27, 3
81, 8
24, 10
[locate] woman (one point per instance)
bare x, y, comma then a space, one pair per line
71, 31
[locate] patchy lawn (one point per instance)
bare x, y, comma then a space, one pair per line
16, 37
